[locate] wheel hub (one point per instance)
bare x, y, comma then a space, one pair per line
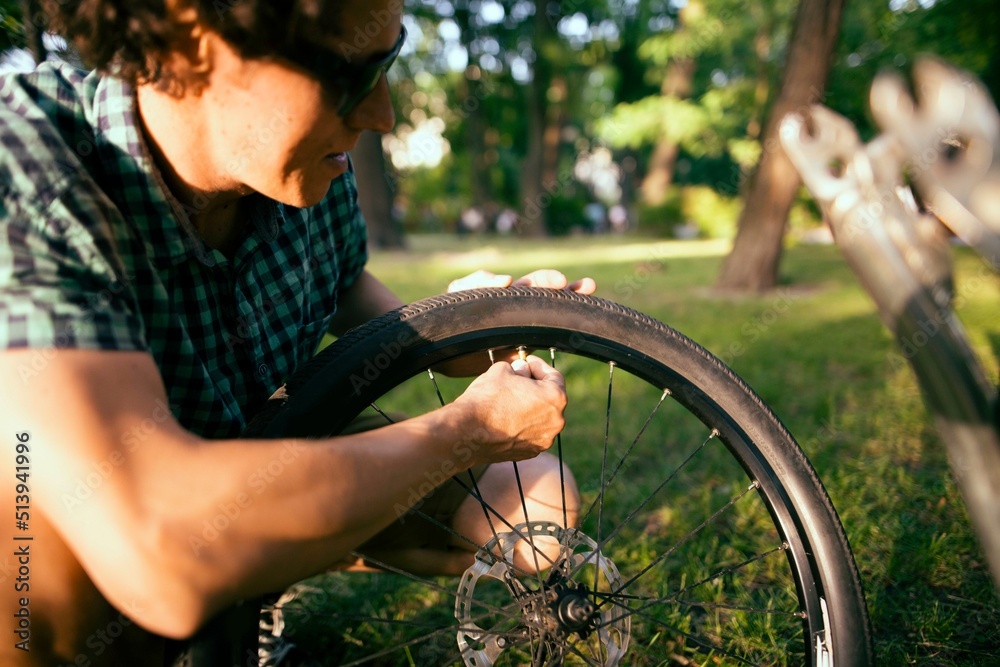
574, 611
550, 617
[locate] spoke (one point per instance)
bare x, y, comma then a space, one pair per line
687, 635
476, 547
508, 612
538, 652
670, 477
559, 450
531, 540
604, 465
675, 599
474, 491
522, 352
292, 611
390, 651
421, 580
659, 559
488, 508
437, 389
730, 570
440, 630
475, 485
596, 658
624, 457
379, 410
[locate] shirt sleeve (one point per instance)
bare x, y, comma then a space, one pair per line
61, 284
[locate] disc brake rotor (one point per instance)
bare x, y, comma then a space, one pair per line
577, 607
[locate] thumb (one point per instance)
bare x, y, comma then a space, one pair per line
521, 367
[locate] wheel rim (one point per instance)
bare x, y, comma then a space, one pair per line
676, 622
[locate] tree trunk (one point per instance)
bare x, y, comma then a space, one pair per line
476, 122
752, 266
555, 121
475, 139
676, 83
535, 196
660, 172
375, 192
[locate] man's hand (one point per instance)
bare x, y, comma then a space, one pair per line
516, 410
541, 278
475, 364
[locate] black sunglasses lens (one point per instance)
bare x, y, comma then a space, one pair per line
360, 89
367, 78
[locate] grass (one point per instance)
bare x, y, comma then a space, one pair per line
816, 352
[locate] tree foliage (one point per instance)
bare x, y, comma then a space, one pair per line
464, 84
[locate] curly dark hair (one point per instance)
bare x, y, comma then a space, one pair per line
127, 37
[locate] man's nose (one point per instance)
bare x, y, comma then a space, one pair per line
375, 111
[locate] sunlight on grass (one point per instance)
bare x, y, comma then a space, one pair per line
817, 353
526, 258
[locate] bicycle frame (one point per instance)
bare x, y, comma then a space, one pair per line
946, 142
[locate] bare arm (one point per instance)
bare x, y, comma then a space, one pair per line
149, 533
366, 299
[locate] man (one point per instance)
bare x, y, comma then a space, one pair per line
174, 241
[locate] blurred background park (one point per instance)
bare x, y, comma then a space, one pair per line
634, 141
539, 118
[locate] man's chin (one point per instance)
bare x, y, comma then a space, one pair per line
305, 196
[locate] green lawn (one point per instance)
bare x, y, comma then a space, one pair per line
816, 352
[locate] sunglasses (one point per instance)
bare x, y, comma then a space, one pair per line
347, 82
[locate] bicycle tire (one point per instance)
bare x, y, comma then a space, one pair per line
404, 343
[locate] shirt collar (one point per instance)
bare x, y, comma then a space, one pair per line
139, 189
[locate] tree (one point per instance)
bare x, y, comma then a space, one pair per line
715, 63
376, 192
537, 182
752, 266
476, 122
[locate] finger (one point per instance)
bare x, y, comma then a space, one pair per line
543, 278
542, 370
521, 367
583, 286
478, 279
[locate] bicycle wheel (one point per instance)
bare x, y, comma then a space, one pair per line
705, 536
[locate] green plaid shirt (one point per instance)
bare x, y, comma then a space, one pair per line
96, 254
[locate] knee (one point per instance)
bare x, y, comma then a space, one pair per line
547, 489
548, 486
550, 495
